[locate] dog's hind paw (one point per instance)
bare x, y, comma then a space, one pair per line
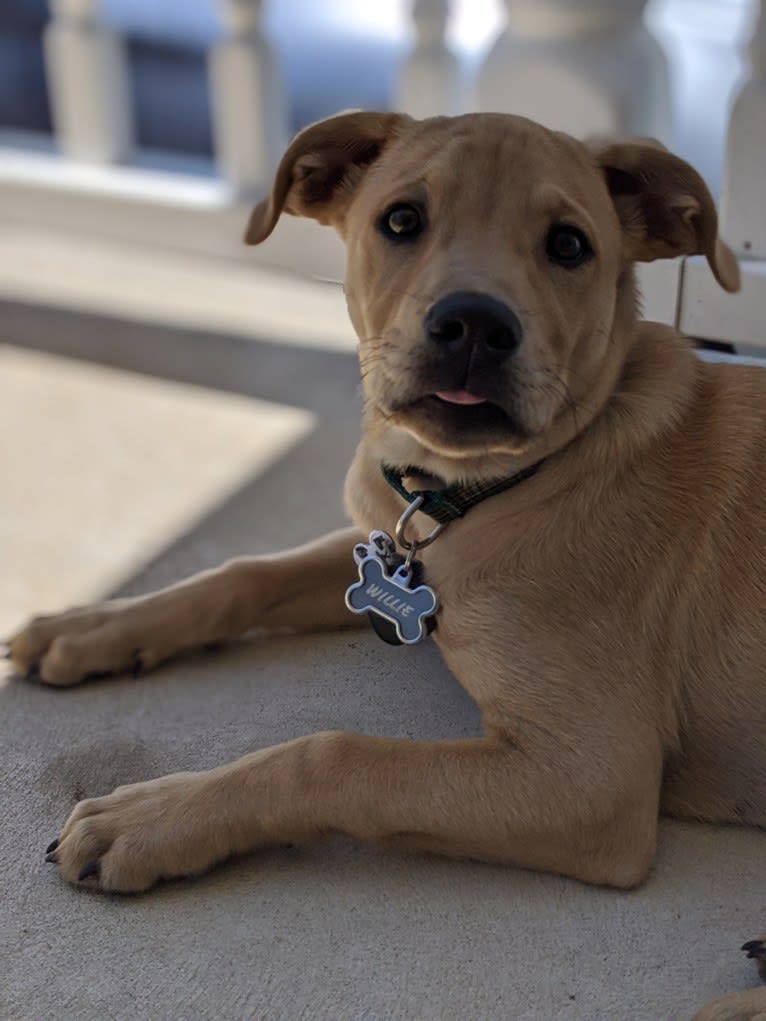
756, 950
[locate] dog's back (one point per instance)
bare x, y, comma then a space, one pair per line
718, 471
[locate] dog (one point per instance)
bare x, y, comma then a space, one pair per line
583, 496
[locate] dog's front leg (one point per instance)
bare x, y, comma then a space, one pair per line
301, 590
480, 798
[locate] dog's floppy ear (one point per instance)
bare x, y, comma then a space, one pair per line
665, 208
321, 168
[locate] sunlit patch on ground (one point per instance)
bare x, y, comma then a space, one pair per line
102, 469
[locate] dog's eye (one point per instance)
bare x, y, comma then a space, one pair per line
402, 221
567, 246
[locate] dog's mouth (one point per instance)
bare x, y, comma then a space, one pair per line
460, 416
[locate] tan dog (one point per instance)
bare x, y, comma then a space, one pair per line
606, 612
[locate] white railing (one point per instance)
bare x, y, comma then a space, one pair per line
585, 66
249, 106
704, 310
86, 64
588, 68
88, 84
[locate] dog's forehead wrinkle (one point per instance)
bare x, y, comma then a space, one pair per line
550, 195
405, 163
497, 142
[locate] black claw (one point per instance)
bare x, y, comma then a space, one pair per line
755, 948
91, 869
138, 666
52, 858
34, 671
52, 846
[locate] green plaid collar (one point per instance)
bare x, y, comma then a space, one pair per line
445, 505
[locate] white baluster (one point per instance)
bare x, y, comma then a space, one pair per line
88, 84
248, 101
743, 209
430, 76
587, 67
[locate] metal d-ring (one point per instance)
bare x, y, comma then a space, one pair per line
415, 545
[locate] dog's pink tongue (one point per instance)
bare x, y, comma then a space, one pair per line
460, 397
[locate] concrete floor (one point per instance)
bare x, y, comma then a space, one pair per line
335, 931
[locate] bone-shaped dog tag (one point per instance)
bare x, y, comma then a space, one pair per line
389, 596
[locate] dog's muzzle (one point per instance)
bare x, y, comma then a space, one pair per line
469, 325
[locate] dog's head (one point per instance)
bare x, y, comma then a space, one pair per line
488, 263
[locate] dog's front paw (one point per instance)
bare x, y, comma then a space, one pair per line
141, 833
66, 648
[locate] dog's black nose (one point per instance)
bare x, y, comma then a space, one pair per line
469, 318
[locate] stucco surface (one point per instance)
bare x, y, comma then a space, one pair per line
335, 931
